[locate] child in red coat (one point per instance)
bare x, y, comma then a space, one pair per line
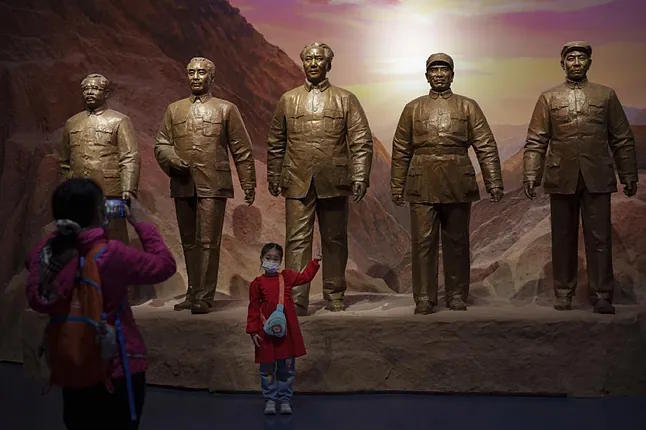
276, 355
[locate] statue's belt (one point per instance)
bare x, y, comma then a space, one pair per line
441, 150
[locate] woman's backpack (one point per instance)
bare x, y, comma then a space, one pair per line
81, 343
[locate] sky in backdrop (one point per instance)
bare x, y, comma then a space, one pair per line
505, 52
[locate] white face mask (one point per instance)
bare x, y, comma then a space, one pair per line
270, 266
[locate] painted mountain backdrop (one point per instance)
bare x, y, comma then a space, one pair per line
143, 47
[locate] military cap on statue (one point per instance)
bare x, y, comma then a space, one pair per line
439, 58
578, 45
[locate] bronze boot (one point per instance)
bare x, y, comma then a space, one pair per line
424, 307
457, 304
301, 311
201, 307
335, 305
192, 274
563, 304
603, 306
182, 306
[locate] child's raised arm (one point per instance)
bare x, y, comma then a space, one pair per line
307, 274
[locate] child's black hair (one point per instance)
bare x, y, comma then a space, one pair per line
268, 247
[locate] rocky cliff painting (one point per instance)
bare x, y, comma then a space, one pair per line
143, 47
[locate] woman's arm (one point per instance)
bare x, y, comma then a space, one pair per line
152, 265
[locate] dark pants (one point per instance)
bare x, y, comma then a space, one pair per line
95, 408
332, 214
595, 213
427, 221
200, 223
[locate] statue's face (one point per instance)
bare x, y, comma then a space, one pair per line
576, 64
440, 76
316, 65
94, 93
199, 77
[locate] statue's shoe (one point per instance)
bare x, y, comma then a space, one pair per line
563, 303
603, 306
335, 306
457, 304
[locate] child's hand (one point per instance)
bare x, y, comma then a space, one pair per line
256, 339
318, 258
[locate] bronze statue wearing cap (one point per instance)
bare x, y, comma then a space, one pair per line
100, 143
319, 153
431, 171
192, 147
574, 133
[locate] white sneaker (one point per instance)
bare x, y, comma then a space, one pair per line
286, 408
270, 407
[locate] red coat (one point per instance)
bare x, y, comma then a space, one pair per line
263, 297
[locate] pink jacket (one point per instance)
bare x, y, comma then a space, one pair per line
119, 265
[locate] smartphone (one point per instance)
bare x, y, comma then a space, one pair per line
115, 208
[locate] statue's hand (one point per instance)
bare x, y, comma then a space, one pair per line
630, 189
398, 199
496, 194
249, 196
359, 190
529, 189
274, 189
179, 167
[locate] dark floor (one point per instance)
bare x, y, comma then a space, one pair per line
22, 407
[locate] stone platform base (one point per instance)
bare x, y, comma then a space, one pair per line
379, 345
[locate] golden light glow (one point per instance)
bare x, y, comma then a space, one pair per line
505, 51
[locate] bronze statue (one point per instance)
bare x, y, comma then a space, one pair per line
320, 152
100, 143
192, 147
580, 122
432, 172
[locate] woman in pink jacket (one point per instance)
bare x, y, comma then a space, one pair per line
78, 206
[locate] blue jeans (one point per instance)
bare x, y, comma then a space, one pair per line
277, 379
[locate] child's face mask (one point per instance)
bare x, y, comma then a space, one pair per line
270, 266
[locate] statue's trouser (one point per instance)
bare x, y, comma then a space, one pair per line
332, 214
200, 223
595, 214
427, 221
117, 229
